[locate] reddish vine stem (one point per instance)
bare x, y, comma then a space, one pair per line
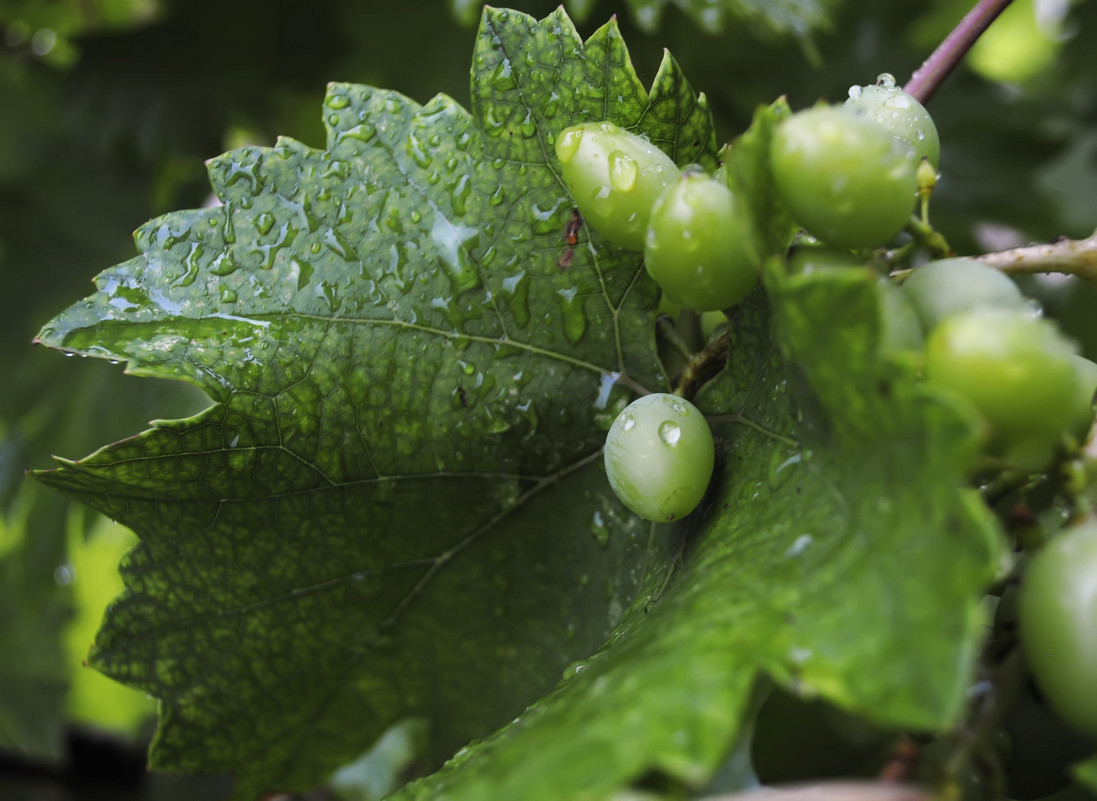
925, 80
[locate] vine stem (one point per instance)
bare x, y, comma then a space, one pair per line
1069, 256
925, 80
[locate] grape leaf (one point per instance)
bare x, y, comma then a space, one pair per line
835, 553
396, 506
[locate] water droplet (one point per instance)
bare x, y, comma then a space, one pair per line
501, 79
574, 669
799, 545
452, 245
599, 529
224, 264
516, 291
552, 106
574, 317
885, 80
264, 222
418, 151
337, 102
855, 92
461, 194
228, 295
568, 144
780, 467
670, 432
528, 126
623, 170
628, 422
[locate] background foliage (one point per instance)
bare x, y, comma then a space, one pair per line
108, 110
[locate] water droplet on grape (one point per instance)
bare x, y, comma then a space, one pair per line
885, 80
623, 170
568, 144
628, 422
670, 432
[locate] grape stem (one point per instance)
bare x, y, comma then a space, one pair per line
925, 236
1068, 256
703, 365
925, 80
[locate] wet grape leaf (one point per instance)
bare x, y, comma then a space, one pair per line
835, 552
746, 161
395, 507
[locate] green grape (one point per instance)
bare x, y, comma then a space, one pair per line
698, 248
659, 456
1087, 387
901, 115
946, 287
900, 328
615, 177
844, 179
1058, 618
712, 323
1019, 373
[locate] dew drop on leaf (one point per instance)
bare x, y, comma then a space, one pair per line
337, 102
599, 529
264, 222
502, 78
574, 318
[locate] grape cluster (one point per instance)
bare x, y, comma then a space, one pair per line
849, 176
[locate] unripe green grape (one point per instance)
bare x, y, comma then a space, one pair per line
1087, 387
900, 328
659, 457
712, 323
846, 180
698, 247
1058, 617
1017, 371
899, 114
615, 177
946, 287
